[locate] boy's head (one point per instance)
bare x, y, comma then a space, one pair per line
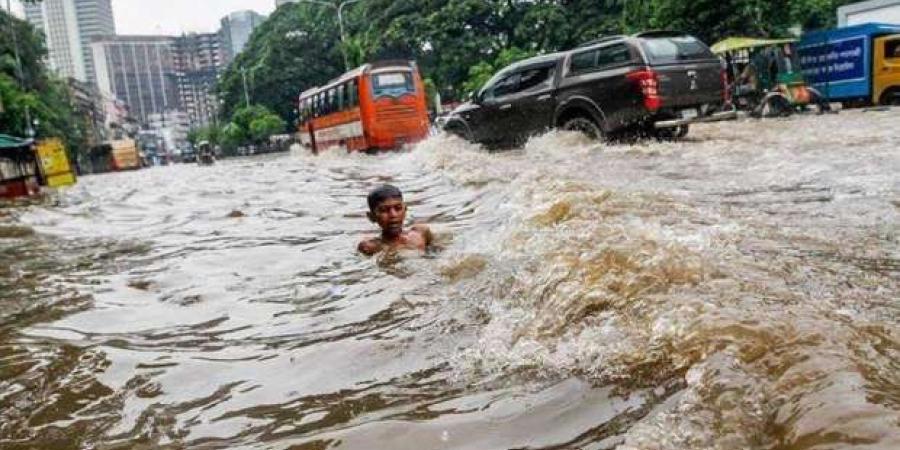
386, 208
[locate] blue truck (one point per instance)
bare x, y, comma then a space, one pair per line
856, 65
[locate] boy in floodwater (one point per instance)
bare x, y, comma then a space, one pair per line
387, 209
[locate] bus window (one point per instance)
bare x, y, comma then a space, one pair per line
331, 102
354, 93
340, 97
393, 84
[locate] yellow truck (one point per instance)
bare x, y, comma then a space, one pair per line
125, 155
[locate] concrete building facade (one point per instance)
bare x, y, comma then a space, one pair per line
139, 70
199, 59
70, 26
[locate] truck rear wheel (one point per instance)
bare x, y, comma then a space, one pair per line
890, 97
459, 131
669, 134
584, 126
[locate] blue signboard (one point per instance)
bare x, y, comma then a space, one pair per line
836, 61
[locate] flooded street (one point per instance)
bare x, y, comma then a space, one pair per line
738, 290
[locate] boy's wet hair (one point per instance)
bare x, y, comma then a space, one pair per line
382, 193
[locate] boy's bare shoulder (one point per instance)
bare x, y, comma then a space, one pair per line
423, 230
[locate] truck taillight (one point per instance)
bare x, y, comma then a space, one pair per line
647, 80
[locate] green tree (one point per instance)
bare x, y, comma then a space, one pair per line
231, 137
28, 90
209, 133
294, 50
480, 73
267, 125
712, 20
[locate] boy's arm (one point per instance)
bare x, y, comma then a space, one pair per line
368, 247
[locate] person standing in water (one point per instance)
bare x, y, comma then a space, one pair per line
387, 209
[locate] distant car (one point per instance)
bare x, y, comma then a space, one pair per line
657, 82
188, 156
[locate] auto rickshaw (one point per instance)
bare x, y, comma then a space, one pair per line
205, 156
765, 77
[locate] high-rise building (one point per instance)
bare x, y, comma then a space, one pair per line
199, 59
139, 70
70, 26
236, 30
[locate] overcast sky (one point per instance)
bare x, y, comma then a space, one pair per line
176, 16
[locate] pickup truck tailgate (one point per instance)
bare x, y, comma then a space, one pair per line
689, 73
690, 84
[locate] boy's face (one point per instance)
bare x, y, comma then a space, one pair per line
389, 215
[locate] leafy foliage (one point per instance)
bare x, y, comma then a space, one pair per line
248, 125
291, 51
480, 73
33, 92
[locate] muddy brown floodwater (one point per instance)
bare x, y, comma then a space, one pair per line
738, 290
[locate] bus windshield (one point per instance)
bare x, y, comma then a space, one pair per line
392, 84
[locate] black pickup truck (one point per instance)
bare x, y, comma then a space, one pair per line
656, 83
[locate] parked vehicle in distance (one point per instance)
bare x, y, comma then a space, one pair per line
205, 154
657, 83
188, 155
857, 65
378, 106
125, 155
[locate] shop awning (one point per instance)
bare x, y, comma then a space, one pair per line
12, 142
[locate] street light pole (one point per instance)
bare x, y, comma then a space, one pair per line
340, 16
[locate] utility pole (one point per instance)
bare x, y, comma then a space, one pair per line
246, 95
340, 16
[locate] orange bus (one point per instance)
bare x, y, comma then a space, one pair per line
378, 106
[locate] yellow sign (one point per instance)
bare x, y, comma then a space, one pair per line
55, 163
66, 179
